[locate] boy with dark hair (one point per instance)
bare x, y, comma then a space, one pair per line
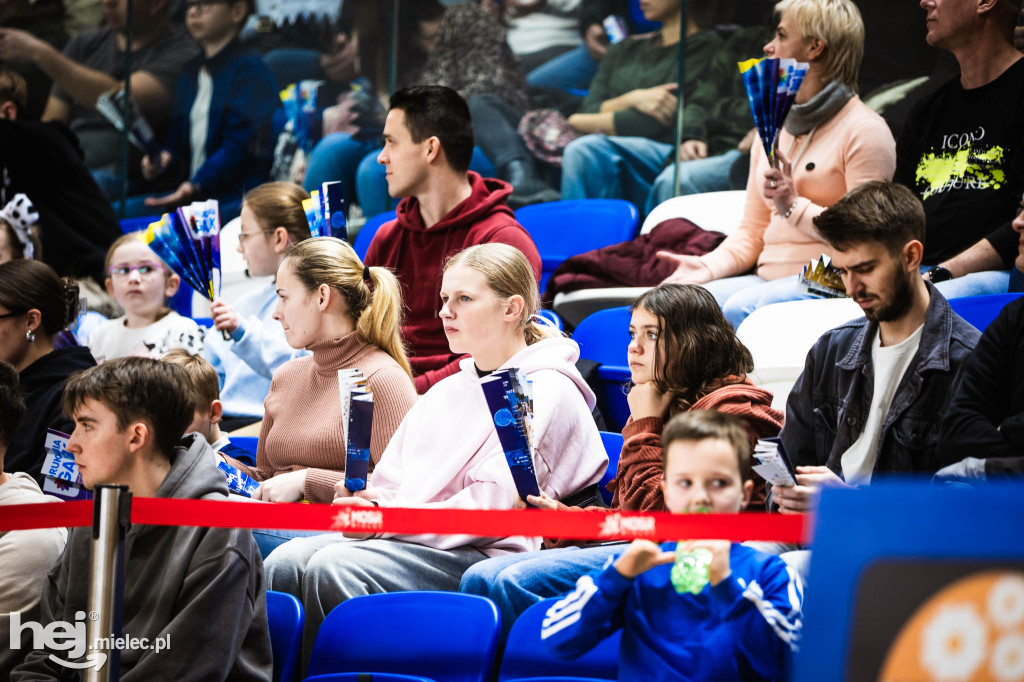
220, 135
428, 142
28, 554
209, 409
743, 624
873, 391
199, 588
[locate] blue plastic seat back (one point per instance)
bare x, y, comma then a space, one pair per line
981, 310
613, 446
552, 317
561, 229
640, 22
364, 677
286, 618
527, 656
366, 232
604, 338
446, 636
246, 442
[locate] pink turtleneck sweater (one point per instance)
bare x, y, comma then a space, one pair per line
302, 428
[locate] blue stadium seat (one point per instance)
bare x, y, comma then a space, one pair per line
981, 310
604, 337
561, 229
246, 442
641, 22
286, 619
363, 677
552, 317
366, 232
613, 446
445, 636
527, 657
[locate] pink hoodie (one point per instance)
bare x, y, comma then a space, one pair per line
446, 453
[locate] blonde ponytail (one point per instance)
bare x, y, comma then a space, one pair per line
380, 323
378, 312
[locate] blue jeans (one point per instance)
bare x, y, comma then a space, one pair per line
337, 157
612, 167
372, 185
740, 296
515, 582
695, 177
976, 284
572, 70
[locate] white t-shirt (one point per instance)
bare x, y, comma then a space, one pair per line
890, 364
113, 339
199, 120
28, 554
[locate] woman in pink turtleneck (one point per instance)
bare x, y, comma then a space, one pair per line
348, 316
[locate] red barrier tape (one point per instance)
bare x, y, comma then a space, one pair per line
590, 525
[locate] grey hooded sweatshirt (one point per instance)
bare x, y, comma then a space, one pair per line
201, 587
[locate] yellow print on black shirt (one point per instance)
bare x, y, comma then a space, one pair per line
963, 163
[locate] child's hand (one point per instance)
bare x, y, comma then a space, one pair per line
719, 568
150, 170
640, 556
541, 501
224, 317
645, 400
354, 502
282, 488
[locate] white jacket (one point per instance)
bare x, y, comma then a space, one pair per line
446, 452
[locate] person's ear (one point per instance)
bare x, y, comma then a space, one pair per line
324, 294
280, 239
748, 491
815, 48
34, 319
913, 252
108, 284
216, 411
661, 486
9, 111
171, 285
239, 10
139, 435
514, 307
433, 148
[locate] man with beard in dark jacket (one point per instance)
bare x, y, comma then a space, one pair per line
198, 590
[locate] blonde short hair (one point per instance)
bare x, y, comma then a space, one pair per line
836, 22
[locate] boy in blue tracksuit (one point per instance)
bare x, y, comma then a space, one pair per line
220, 136
743, 625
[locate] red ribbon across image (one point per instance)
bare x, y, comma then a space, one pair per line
585, 525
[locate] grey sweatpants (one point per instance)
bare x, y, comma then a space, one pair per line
325, 570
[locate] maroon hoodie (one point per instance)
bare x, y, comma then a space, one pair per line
417, 256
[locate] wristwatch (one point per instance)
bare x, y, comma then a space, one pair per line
939, 274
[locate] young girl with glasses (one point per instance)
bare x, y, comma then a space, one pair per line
141, 284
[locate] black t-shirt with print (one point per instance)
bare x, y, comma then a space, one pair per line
962, 152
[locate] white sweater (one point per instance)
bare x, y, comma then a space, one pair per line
446, 453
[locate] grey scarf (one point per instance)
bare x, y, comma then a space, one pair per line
803, 118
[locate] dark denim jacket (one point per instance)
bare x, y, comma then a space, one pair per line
830, 401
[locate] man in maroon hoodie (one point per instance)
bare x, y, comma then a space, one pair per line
445, 208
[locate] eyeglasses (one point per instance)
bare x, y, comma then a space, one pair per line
242, 236
203, 5
122, 270
13, 314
